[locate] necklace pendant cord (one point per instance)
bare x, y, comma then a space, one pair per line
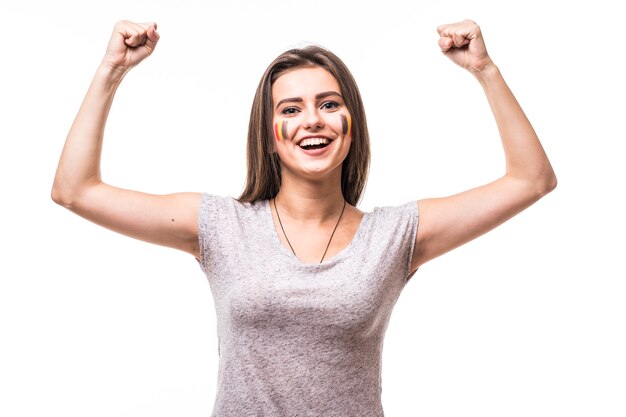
329, 240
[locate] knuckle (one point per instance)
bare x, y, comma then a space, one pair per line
474, 24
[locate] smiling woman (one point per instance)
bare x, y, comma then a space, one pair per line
317, 145
267, 122
303, 282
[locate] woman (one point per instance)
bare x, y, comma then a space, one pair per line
303, 282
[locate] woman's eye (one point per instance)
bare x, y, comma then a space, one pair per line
330, 105
289, 110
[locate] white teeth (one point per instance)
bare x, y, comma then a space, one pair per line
314, 141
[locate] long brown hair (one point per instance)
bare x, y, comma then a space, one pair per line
264, 175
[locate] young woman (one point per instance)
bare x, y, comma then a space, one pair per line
303, 282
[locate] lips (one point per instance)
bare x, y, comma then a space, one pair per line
314, 142
315, 146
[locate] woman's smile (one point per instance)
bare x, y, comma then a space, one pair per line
315, 146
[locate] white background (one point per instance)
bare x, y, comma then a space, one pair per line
529, 320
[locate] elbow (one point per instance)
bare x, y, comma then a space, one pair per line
59, 187
64, 194
59, 196
72, 196
537, 186
545, 184
549, 183
553, 183
537, 182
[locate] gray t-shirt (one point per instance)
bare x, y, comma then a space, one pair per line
300, 339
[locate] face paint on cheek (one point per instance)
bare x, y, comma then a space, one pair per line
346, 124
283, 130
280, 130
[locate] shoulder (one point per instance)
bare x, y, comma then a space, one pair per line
225, 211
224, 223
389, 234
388, 215
392, 226
224, 205
385, 223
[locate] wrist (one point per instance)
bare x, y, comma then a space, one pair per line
487, 73
110, 75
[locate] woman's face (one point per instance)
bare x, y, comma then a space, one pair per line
312, 126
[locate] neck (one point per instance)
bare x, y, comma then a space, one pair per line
308, 201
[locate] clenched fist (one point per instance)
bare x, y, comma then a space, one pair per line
463, 43
130, 43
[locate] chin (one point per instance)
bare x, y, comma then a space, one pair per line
319, 173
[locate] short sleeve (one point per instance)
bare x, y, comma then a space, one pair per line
391, 238
408, 218
207, 220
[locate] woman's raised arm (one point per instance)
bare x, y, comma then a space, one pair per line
446, 223
169, 220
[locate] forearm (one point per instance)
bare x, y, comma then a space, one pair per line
525, 157
79, 165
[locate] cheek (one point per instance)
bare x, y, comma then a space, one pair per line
285, 130
281, 131
346, 124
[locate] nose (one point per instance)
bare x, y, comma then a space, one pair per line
312, 120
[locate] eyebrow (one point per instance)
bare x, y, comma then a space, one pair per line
299, 99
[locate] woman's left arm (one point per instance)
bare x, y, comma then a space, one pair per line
446, 223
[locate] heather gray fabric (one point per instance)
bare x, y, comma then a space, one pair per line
300, 339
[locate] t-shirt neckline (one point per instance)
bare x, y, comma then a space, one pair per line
271, 228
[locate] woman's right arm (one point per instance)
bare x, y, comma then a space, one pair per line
168, 220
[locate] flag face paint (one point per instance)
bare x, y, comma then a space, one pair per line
283, 130
346, 124
280, 130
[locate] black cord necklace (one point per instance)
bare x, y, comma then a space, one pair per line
329, 240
